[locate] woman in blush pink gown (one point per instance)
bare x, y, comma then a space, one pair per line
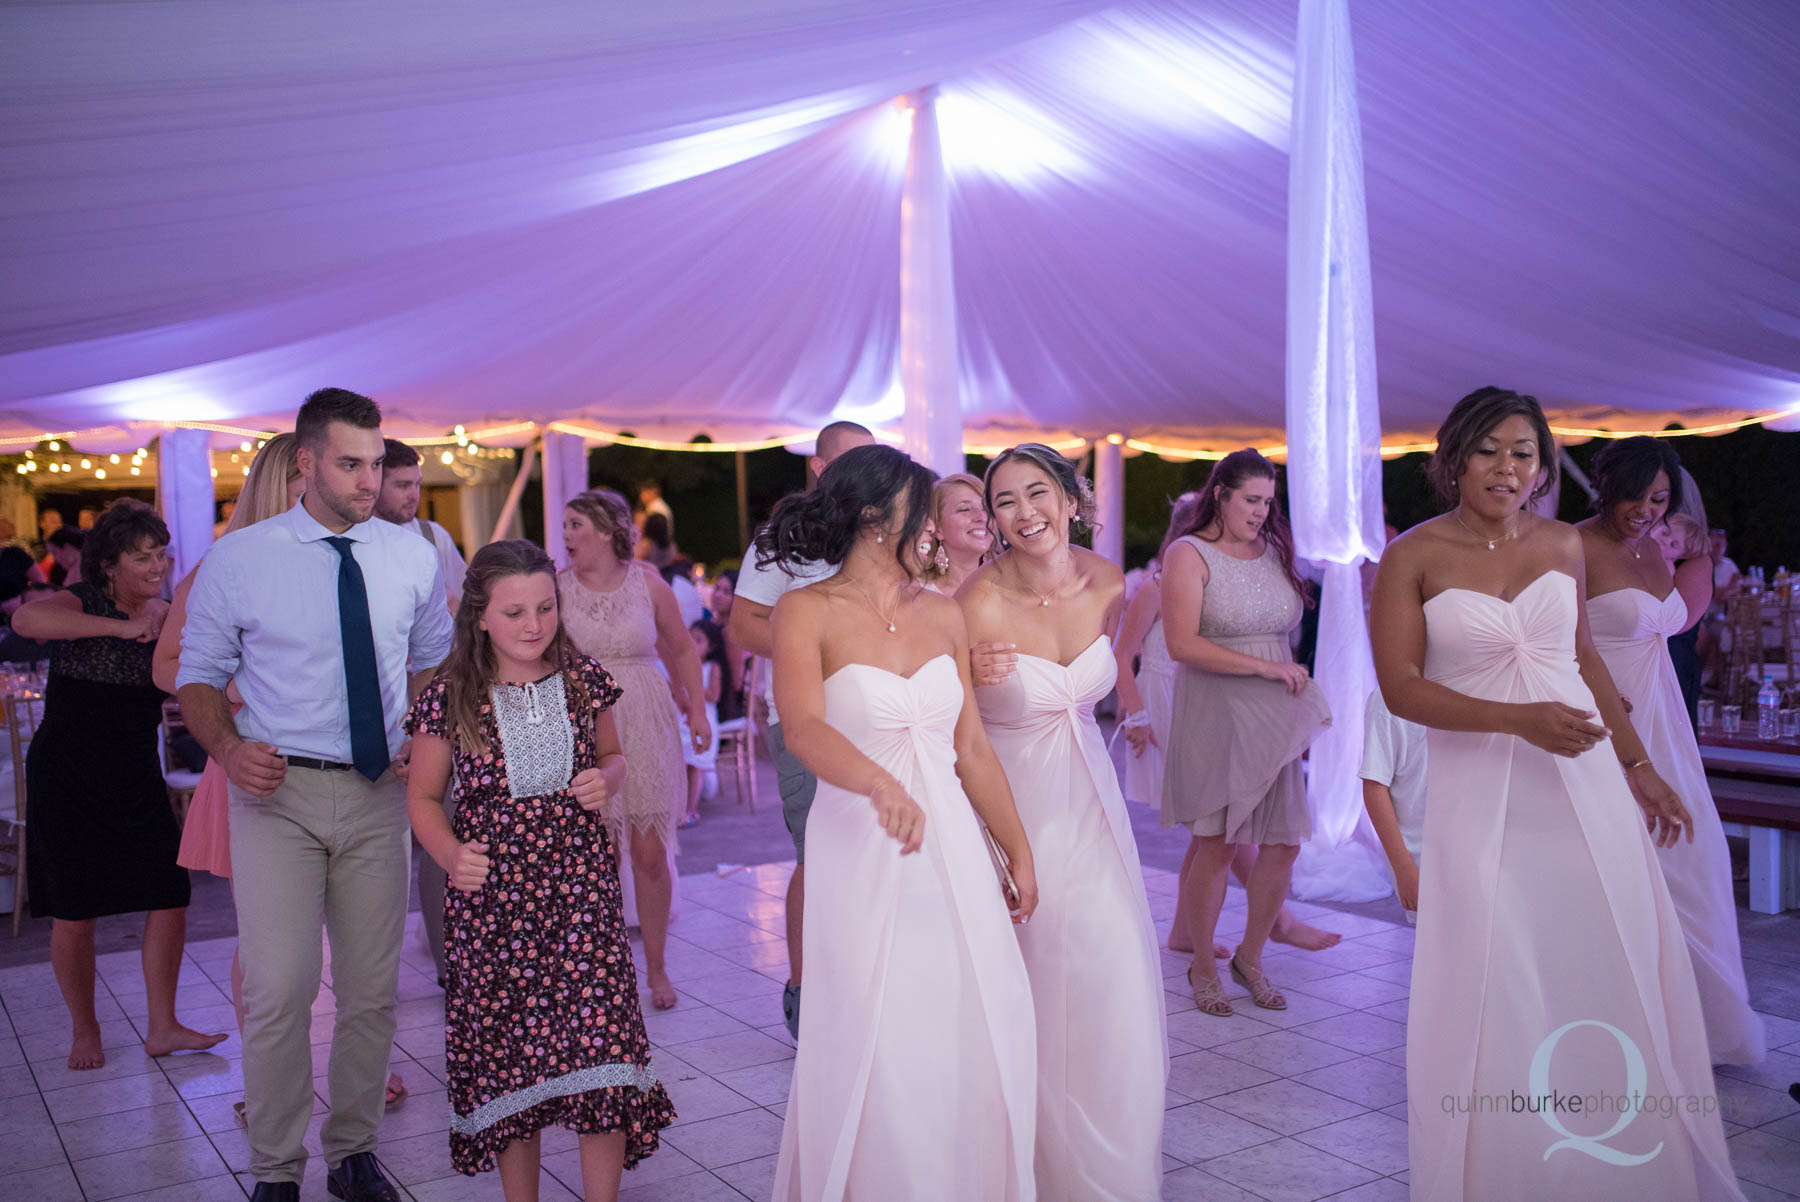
1635, 603
915, 1075
1549, 963
1096, 975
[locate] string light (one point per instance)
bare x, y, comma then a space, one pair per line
86, 464
244, 446
54, 445
215, 472
100, 473
136, 471
448, 458
112, 458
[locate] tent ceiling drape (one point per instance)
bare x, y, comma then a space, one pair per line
687, 221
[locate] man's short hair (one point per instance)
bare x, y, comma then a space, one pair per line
397, 454
333, 405
826, 446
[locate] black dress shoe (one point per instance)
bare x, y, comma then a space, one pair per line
359, 1179
276, 1191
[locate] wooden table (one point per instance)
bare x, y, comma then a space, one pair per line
1756, 785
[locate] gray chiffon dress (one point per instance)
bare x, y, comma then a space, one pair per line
1235, 741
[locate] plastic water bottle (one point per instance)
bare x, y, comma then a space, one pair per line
1768, 709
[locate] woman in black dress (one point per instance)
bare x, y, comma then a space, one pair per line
542, 1023
103, 838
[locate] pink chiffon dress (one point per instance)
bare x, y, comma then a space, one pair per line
1550, 963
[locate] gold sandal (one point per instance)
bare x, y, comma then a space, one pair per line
1257, 982
1210, 998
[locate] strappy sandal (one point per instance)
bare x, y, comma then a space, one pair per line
1262, 992
1210, 998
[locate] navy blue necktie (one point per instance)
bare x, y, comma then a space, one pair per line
362, 678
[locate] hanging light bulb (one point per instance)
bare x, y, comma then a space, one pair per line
54, 445
142, 451
215, 473
100, 473
137, 471
29, 455
20, 469
447, 458
244, 446
246, 469
112, 458
86, 464
458, 430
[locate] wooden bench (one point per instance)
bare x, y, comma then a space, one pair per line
1766, 812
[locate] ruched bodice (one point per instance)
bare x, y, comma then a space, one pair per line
900, 722
1043, 690
1518, 650
1632, 613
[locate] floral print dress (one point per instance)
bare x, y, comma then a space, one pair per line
542, 1024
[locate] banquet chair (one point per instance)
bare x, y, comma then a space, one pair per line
180, 781
737, 739
24, 710
1744, 624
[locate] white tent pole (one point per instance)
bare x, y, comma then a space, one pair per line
932, 424
1109, 498
508, 511
1334, 437
184, 491
565, 476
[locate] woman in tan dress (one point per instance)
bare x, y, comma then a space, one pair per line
618, 611
1244, 712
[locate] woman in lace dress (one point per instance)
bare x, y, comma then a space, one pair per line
542, 1024
103, 839
1244, 712
618, 610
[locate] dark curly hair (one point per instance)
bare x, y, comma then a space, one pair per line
1472, 419
861, 490
1625, 470
122, 529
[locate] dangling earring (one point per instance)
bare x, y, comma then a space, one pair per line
942, 561
881, 538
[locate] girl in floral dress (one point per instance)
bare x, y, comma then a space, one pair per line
542, 1021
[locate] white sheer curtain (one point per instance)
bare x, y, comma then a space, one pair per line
184, 494
1334, 436
565, 477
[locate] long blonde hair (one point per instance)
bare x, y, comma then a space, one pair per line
271, 485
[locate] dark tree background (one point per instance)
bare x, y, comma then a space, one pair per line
1743, 476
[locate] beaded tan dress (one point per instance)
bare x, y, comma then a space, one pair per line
619, 630
1235, 742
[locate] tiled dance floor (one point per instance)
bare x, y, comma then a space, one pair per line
1298, 1105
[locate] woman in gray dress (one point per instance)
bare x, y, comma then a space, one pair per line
1244, 712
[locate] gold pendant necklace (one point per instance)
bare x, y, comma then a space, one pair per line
887, 618
1492, 543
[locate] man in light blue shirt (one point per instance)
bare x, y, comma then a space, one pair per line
316, 615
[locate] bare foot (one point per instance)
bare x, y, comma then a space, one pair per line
84, 1050
179, 1039
662, 991
1294, 933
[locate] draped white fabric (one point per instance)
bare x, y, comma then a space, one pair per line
184, 489
565, 477
1334, 436
685, 217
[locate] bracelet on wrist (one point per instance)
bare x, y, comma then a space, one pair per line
1640, 762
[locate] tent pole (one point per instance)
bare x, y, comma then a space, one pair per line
1109, 498
1334, 437
565, 477
508, 511
928, 365
743, 498
185, 491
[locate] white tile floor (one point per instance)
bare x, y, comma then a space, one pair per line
1309, 1103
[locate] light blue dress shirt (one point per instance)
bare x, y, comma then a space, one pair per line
263, 611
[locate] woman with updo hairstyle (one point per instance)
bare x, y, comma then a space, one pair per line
1547, 939
1096, 974
103, 838
1244, 713
1636, 604
964, 539
617, 610
915, 1075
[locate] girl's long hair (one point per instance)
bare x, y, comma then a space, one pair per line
470, 669
1228, 475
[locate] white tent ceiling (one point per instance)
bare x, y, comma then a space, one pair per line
686, 220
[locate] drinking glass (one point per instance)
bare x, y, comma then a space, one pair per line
1708, 712
1730, 718
1790, 723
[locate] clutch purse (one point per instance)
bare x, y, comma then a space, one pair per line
1009, 888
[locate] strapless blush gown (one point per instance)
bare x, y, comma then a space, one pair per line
1156, 685
1550, 961
1631, 629
916, 1073
1103, 1054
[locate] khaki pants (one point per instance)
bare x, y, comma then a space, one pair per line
326, 849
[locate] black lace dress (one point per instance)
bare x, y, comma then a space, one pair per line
103, 838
